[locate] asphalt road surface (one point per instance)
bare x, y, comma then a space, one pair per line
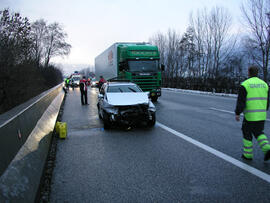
192, 154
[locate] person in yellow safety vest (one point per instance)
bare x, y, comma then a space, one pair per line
67, 82
253, 101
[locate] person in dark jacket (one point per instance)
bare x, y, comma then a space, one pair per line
101, 82
253, 101
83, 89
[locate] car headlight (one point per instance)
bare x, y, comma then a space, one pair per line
151, 107
110, 108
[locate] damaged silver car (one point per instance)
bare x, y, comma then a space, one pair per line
125, 103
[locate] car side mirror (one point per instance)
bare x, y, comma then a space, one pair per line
100, 96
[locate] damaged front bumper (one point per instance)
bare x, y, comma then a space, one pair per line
131, 115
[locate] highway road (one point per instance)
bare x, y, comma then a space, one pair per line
193, 154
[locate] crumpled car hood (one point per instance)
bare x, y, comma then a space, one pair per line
127, 98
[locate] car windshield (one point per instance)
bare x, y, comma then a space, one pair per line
143, 66
124, 88
76, 78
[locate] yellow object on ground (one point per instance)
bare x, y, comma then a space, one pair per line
57, 126
63, 130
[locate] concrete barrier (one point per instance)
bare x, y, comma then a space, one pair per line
29, 133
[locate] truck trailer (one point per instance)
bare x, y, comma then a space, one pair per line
134, 62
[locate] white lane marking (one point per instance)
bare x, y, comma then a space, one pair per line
231, 112
219, 154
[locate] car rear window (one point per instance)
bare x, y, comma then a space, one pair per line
124, 88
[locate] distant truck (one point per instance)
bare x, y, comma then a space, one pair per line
135, 62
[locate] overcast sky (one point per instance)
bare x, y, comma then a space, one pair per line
93, 25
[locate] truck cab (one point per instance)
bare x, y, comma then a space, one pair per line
132, 61
139, 63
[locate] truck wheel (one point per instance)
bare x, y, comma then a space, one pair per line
152, 122
154, 98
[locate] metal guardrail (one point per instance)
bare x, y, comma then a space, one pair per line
24, 144
15, 131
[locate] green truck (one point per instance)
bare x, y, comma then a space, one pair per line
134, 62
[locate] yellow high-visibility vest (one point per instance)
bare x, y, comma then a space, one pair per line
256, 101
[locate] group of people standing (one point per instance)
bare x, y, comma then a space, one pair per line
83, 88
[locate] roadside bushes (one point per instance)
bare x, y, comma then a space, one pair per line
25, 69
22, 82
219, 85
52, 75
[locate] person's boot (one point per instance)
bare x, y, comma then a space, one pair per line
248, 159
264, 145
267, 156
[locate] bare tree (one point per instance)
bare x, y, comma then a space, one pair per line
219, 22
199, 36
15, 38
211, 31
55, 42
38, 33
160, 40
172, 55
188, 52
256, 14
17, 43
201, 51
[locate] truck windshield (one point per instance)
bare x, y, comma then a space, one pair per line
143, 66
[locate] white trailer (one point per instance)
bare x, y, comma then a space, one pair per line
106, 63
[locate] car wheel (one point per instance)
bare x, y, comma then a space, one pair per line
106, 121
99, 113
152, 122
106, 125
